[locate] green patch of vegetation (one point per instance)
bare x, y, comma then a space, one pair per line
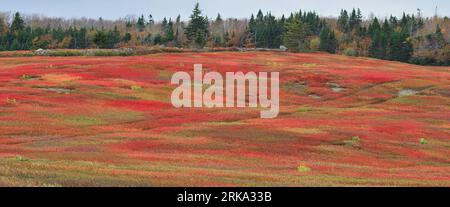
49, 173
409, 100
113, 53
83, 121
305, 130
350, 52
356, 139
21, 159
223, 123
303, 169
297, 88
28, 77
165, 75
112, 95
354, 142
65, 53
98, 118
306, 109
423, 141
112, 116
309, 65
136, 88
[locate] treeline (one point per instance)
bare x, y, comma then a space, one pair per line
411, 38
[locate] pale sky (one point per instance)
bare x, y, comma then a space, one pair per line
113, 9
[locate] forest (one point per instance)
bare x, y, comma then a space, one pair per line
410, 38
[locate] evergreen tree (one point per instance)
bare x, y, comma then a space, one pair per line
378, 46
328, 41
2, 26
399, 47
168, 33
353, 21
127, 37
113, 38
18, 24
343, 22
219, 19
15, 45
440, 40
150, 20
197, 30
141, 23
297, 35
100, 39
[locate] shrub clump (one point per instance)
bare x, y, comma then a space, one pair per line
303, 169
351, 52
423, 141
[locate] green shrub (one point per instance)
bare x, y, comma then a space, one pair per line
303, 169
136, 88
356, 139
354, 142
423, 141
314, 44
25, 77
22, 159
28, 77
65, 53
350, 52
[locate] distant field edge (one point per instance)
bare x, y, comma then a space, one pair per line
131, 51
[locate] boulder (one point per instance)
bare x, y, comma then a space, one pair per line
40, 51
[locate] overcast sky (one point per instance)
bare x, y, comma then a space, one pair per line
113, 9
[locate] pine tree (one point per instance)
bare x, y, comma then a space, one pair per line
197, 29
328, 42
168, 32
353, 21
127, 37
219, 19
400, 48
377, 47
101, 39
18, 24
150, 20
141, 23
343, 22
440, 40
297, 35
2, 27
113, 38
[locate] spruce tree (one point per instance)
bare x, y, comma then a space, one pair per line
343, 22
18, 24
297, 35
141, 23
197, 29
328, 42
